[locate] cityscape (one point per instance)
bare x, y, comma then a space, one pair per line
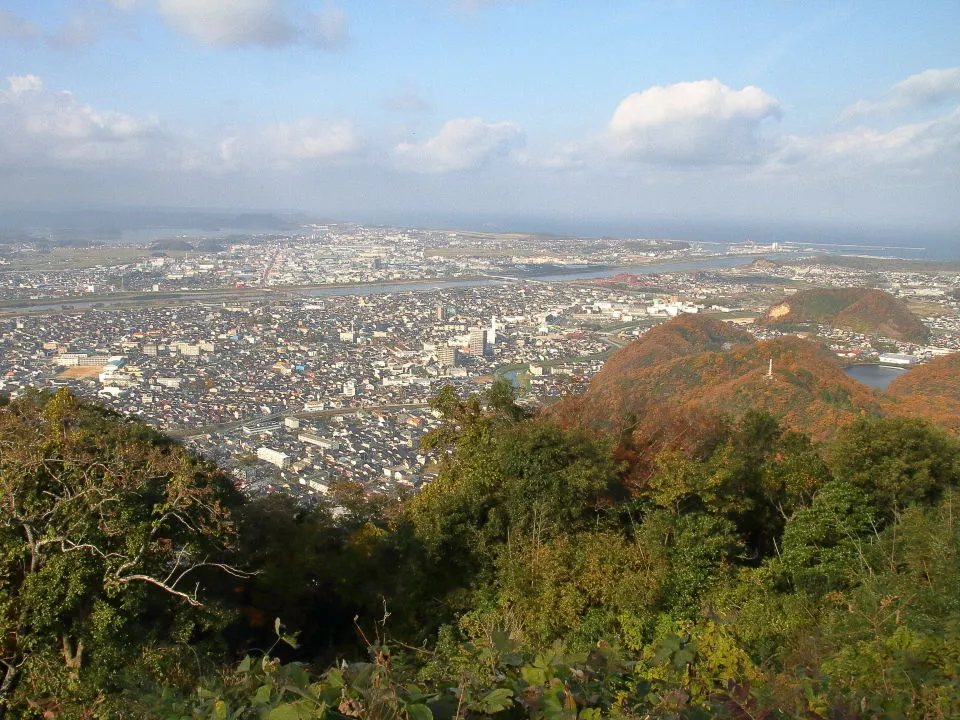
298, 360
479, 359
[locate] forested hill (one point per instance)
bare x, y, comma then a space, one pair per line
689, 371
682, 336
549, 571
931, 390
871, 312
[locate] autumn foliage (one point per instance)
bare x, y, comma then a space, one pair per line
931, 390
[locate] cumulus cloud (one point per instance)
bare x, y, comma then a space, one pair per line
923, 90
698, 123
461, 144
38, 126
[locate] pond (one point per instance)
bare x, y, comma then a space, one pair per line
876, 376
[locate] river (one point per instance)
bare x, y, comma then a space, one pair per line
384, 288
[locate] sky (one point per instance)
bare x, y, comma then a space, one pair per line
773, 112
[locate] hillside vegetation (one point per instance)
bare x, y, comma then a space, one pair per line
870, 312
931, 390
552, 570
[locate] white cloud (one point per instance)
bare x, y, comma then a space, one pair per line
38, 126
311, 139
55, 130
569, 156
929, 87
19, 84
304, 142
238, 22
461, 144
937, 140
699, 123
268, 23
925, 89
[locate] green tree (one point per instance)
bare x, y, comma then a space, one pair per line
823, 545
895, 460
109, 537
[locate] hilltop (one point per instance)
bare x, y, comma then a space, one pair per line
871, 312
697, 367
682, 336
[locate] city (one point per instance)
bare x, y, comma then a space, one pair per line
297, 361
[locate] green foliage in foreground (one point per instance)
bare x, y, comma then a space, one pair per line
107, 532
756, 576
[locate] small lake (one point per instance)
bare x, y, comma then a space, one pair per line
876, 376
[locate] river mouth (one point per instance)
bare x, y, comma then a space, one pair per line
875, 375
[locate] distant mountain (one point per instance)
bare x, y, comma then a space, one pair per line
695, 368
871, 312
931, 390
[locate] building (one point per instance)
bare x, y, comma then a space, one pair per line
274, 457
897, 359
321, 442
448, 356
478, 342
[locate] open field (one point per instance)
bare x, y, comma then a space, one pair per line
81, 372
76, 258
927, 309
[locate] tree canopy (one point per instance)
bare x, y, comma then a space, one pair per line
754, 573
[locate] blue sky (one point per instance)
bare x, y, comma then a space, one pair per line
838, 113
